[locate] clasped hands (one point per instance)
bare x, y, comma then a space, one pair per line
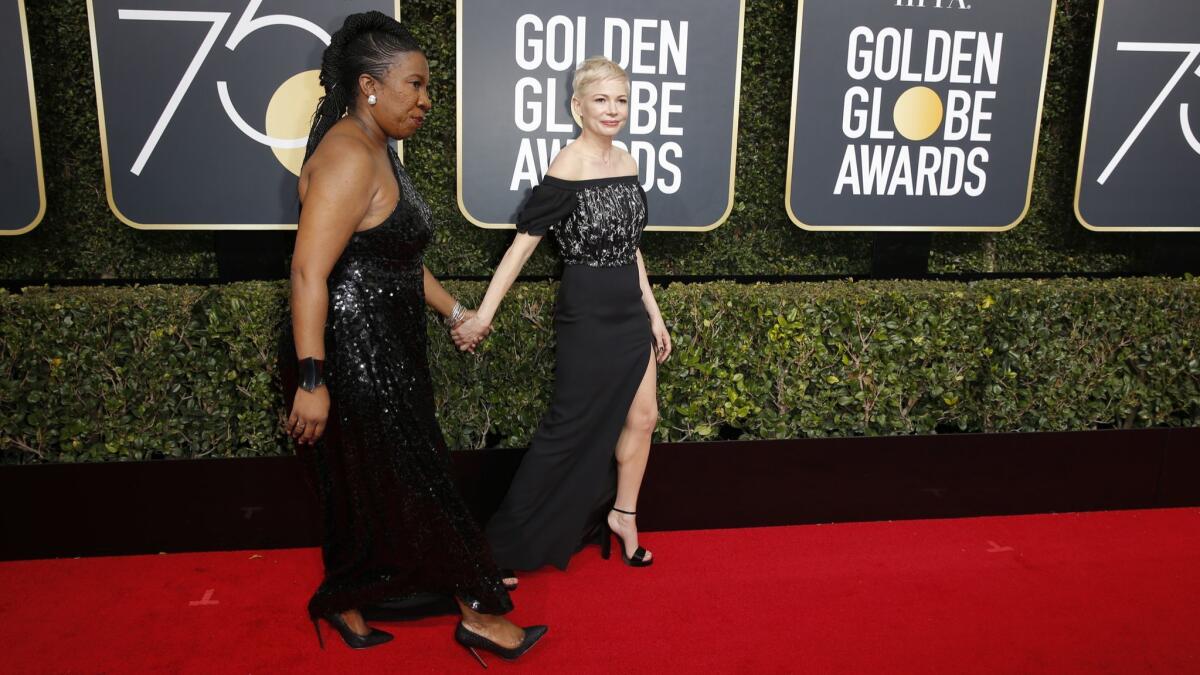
468, 333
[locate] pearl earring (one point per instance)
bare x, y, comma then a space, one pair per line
371, 99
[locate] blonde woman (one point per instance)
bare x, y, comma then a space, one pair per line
585, 465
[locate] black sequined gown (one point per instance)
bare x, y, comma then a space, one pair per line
394, 523
567, 480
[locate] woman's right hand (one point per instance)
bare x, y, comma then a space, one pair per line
310, 410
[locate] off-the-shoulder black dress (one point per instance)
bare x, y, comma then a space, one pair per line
567, 480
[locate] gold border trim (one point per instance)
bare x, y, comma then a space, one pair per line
108, 185
458, 141
1037, 135
37, 143
1087, 123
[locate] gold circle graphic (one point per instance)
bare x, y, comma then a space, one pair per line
289, 114
918, 113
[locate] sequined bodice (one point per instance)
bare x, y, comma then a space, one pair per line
595, 222
380, 268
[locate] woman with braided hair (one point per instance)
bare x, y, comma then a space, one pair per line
394, 524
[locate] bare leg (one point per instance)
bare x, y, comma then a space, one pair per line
495, 628
633, 451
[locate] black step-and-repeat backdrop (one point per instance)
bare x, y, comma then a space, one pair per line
205, 105
916, 114
906, 114
1139, 166
22, 189
516, 61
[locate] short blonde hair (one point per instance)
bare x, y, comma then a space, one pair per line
596, 69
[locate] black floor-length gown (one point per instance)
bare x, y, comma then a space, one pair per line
567, 480
394, 523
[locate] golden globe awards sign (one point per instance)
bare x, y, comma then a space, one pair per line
916, 114
1139, 164
516, 61
22, 189
205, 105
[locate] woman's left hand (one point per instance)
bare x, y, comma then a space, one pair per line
469, 332
662, 339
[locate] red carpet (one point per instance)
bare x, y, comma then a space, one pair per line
1083, 593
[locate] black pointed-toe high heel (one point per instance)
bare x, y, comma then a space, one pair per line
474, 641
353, 640
638, 559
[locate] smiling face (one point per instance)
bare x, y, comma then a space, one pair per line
603, 106
401, 97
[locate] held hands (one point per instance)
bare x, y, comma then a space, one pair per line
310, 410
468, 333
662, 338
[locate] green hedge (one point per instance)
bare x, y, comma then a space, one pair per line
79, 238
94, 374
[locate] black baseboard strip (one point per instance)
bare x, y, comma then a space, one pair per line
66, 510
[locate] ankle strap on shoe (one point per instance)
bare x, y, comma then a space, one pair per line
628, 513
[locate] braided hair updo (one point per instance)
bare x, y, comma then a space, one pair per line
367, 43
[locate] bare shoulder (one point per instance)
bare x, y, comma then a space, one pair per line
341, 169
342, 155
567, 164
628, 165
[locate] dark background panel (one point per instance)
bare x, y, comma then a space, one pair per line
20, 193
203, 170
172, 506
490, 72
820, 144
81, 240
1154, 183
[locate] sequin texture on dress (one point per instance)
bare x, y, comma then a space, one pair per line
394, 524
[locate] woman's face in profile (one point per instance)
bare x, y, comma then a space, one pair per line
604, 106
403, 99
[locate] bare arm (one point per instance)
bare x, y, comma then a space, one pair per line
658, 328
647, 292
336, 200
436, 295
470, 332
506, 273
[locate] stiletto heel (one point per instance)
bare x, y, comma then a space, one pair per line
638, 559
476, 655
606, 535
474, 641
353, 640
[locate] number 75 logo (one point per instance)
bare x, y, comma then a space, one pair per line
204, 106
246, 25
1191, 59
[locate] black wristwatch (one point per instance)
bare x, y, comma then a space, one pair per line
311, 374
